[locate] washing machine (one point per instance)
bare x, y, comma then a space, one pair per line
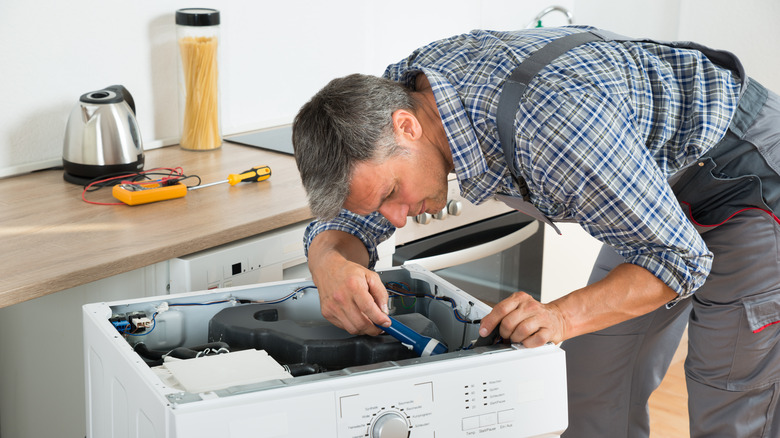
260, 361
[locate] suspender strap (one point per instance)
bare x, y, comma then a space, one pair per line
513, 90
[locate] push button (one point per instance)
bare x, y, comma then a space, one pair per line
469, 423
487, 419
506, 416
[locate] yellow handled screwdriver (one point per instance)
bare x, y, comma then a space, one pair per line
153, 191
255, 174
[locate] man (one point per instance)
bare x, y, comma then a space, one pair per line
667, 156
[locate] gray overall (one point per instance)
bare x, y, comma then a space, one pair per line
733, 363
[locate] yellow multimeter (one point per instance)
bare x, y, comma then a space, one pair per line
135, 194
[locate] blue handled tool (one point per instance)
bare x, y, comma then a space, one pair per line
422, 345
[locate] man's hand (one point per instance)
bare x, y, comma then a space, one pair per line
526, 321
626, 292
351, 296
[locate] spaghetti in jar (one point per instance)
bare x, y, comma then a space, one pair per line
197, 32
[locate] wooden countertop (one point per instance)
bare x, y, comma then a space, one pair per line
52, 240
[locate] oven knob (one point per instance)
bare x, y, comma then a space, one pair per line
442, 214
455, 208
390, 425
424, 218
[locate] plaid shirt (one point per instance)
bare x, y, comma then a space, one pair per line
598, 133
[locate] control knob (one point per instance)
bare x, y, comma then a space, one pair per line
455, 207
390, 425
442, 214
423, 218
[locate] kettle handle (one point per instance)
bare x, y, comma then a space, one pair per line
120, 90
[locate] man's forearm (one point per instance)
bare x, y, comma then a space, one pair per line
626, 292
332, 243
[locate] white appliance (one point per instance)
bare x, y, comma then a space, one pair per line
270, 256
496, 390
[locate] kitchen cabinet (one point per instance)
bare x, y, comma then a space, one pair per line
42, 366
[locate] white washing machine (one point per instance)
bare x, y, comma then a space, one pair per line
260, 361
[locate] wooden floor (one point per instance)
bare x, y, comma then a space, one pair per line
669, 403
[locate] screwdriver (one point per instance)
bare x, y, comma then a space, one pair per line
255, 174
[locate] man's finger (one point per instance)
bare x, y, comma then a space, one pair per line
490, 321
499, 312
541, 337
372, 303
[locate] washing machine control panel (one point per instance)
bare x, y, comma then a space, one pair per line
500, 400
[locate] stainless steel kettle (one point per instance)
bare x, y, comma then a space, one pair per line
102, 136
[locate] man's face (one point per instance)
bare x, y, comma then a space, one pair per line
404, 185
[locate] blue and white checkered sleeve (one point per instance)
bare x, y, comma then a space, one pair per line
371, 230
599, 170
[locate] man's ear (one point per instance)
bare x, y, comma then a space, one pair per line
406, 124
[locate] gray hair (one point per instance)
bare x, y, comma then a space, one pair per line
347, 122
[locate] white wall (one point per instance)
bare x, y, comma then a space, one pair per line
275, 54
656, 18
748, 28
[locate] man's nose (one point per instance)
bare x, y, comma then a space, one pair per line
395, 213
